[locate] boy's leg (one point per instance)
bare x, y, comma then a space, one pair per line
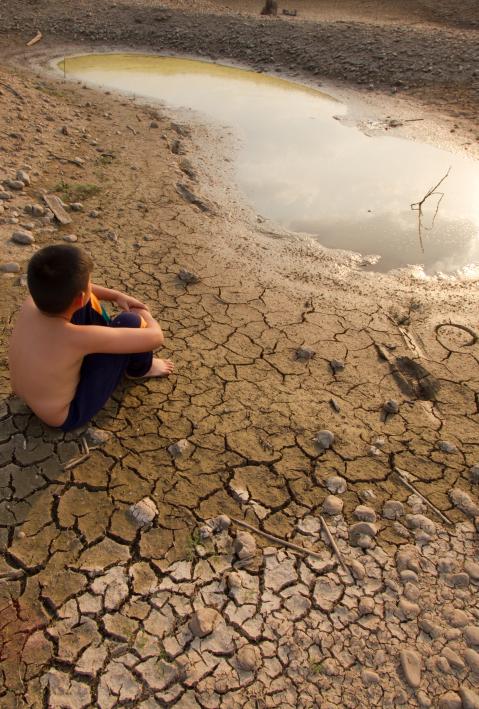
100, 375
88, 316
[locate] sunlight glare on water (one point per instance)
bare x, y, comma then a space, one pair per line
300, 167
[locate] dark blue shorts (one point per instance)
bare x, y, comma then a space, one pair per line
100, 373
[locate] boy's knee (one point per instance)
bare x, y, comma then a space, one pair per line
126, 320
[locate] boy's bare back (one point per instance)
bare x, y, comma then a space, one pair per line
46, 354
44, 363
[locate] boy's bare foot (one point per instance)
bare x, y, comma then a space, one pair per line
159, 368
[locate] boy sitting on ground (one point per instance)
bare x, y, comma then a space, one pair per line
66, 354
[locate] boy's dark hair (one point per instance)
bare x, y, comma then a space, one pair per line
56, 275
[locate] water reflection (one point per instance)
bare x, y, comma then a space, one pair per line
306, 170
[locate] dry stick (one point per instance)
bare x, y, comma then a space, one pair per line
72, 161
408, 339
333, 544
76, 461
277, 540
11, 89
417, 206
405, 482
35, 39
85, 445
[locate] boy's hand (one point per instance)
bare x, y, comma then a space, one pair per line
126, 302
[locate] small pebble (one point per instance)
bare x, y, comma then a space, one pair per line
304, 354
472, 568
459, 580
364, 513
391, 406
97, 436
472, 659
450, 700
143, 512
187, 276
357, 570
333, 505
38, 210
411, 665
244, 545
11, 267
204, 621
462, 500
180, 448
446, 447
393, 509
23, 176
324, 439
457, 618
408, 576
17, 185
471, 635
408, 609
336, 365
23, 237
336, 485
366, 605
248, 658
470, 700
369, 677
423, 700
453, 658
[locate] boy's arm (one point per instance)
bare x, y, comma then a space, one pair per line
103, 293
125, 302
89, 339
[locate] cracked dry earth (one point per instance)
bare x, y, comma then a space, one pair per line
98, 611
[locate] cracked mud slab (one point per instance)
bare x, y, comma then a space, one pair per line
96, 612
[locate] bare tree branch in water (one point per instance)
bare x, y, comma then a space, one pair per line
417, 206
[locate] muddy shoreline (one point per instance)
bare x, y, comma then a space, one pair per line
438, 67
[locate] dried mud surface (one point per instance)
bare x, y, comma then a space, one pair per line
96, 611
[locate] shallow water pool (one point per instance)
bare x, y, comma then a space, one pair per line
301, 167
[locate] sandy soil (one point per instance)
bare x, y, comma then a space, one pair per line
97, 611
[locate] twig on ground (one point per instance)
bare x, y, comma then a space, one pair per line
11, 89
277, 540
402, 474
76, 461
407, 337
35, 39
333, 544
72, 161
